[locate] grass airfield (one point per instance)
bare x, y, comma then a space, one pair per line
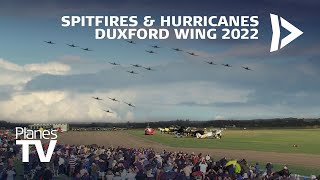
273, 140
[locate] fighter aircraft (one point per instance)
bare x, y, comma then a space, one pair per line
151, 52
114, 99
210, 62
177, 49
247, 68
135, 65
149, 68
129, 104
86, 49
213, 133
132, 72
114, 63
155, 46
97, 98
108, 111
49, 42
131, 42
72, 45
226, 65
192, 54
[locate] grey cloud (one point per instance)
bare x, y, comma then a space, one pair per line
47, 7
5, 92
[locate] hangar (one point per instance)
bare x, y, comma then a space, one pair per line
63, 126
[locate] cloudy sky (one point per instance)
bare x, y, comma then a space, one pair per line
54, 83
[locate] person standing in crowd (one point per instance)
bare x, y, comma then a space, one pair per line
257, 169
109, 175
131, 174
94, 169
55, 160
116, 176
269, 167
203, 166
9, 173
188, 170
102, 168
83, 171
72, 165
47, 174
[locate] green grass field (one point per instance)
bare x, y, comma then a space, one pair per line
308, 140
275, 140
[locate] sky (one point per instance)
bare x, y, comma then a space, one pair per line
43, 83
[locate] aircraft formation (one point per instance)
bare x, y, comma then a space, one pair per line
70, 45
146, 68
114, 100
150, 52
190, 53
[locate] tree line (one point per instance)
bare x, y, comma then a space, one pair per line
256, 123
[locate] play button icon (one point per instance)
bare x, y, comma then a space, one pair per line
294, 32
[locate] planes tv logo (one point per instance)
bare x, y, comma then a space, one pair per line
34, 137
294, 32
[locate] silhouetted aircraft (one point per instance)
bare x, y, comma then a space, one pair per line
132, 72
155, 46
149, 68
72, 45
177, 49
113, 63
49, 42
192, 54
135, 65
151, 52
131, 42
226, 65
97, 98
129, 104
210, 62
108, 111
247, 68
114, 99
86, 49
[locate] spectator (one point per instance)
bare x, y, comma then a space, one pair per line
9, 174
269, 167
131, 175
188, 170
83, 171
91, 162
203, 166
257, 168
72, 164
117, 176
47, 175
55, 160
284, 172
94, 169
109, 175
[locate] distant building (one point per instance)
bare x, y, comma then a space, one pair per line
63, 126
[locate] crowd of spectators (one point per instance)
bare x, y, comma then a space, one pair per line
93, 162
